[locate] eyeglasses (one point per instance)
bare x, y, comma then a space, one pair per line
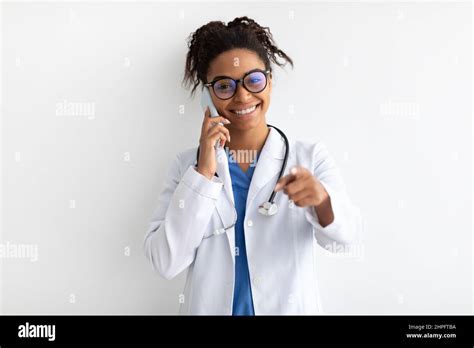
255, 81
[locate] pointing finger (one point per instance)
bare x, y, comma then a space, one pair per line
299, 172
295, 173
284, 181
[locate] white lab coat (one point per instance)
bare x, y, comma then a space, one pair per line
280, 252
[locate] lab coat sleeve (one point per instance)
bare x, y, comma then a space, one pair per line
178, 223
345, 228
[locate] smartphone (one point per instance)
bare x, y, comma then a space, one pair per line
206, 101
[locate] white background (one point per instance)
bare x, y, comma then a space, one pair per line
387, 87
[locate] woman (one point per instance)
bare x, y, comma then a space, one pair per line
239, 261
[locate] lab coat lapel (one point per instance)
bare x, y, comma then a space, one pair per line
225, 209
268, 165
223, 172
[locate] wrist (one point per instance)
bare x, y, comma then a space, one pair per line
203, 173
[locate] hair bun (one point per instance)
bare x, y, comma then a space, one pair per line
214, 38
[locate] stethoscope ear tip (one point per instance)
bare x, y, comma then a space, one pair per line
268, 209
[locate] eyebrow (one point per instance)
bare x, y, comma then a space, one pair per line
228, 77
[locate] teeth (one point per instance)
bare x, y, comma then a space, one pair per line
245, 111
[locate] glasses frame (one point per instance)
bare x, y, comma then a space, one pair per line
212, 83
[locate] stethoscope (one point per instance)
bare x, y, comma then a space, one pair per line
268, 208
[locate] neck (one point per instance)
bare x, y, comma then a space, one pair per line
250, 139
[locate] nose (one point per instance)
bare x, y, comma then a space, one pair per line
241, 95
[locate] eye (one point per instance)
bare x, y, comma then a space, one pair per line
223, 87
255, 78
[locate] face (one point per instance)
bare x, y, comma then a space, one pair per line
235, 64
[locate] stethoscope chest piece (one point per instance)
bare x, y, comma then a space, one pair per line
268, 209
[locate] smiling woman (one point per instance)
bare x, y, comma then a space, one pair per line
208, 220
234, 62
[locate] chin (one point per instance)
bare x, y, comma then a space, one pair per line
249, 124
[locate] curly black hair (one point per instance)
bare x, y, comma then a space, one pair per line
214, 38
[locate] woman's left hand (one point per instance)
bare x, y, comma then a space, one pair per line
304, 189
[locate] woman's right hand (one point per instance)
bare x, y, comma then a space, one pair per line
211, 132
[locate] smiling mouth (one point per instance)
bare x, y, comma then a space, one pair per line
247, 111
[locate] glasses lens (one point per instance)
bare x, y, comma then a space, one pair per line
224, 88
256, 82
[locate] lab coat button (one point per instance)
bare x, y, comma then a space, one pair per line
249, 223
256, 280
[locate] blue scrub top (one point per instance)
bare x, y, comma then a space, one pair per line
243, 302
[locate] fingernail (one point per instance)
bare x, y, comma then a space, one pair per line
226, 121
294, 170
